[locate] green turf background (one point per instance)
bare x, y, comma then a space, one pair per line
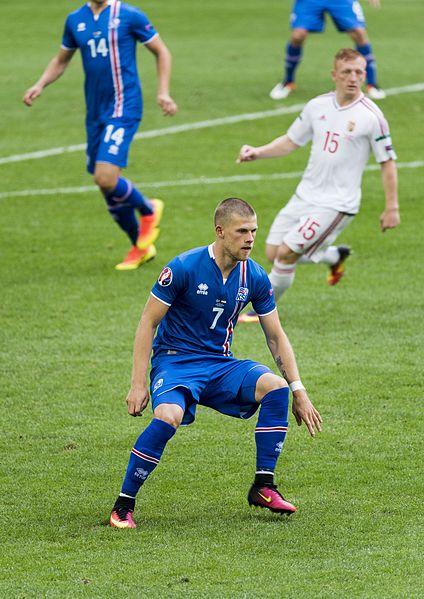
68, 320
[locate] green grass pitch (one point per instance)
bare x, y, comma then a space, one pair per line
68, 321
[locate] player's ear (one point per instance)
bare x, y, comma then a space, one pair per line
219, 231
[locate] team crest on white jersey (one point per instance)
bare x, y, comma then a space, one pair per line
242, 294
165, 277
202, 289
81, 27
351, 126
323, 117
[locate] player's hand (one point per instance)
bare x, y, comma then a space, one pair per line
137, 400
375, 3
304, 411
32, 94
247, 154
389, 219
167, 104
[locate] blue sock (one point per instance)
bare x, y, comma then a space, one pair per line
125, 217
145, 455
126, 192
271, 429
293, 58
366, 51
121, 204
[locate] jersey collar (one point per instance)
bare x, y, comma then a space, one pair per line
210, 251
361, 97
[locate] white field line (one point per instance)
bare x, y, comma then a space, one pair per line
185, 182
228, 120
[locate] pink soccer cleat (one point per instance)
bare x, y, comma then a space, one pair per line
122, 518
270, 498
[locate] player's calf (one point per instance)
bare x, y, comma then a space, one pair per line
144, 457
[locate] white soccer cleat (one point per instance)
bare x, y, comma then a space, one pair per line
375, 93
281, 91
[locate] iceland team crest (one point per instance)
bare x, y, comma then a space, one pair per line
242, 294
165, 277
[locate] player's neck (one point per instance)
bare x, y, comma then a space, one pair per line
97, 7
224, 261
346, 99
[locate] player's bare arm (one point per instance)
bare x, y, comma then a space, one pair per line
390, 218
164, 66
281, 146
138, 395
53, 71
282, 352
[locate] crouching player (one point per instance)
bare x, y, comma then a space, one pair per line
195, 304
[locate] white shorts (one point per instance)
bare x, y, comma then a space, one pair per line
306, 228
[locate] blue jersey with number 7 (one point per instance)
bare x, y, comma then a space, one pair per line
203, 308
108, 49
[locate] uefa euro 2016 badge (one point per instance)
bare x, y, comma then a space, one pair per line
165, 277
242, 294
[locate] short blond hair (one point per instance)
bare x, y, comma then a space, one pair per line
347, 54
230, 207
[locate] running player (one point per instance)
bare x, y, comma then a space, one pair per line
308, 16
344, 127
106, 33
196, 301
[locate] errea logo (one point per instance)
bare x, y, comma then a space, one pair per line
202, 289
81, 27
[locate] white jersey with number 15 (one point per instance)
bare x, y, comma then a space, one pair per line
342, 139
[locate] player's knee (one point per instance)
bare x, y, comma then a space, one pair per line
268, 382
105, 180
170, 413
271, 252
298, 36
285, 255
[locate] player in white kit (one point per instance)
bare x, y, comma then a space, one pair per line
344, 127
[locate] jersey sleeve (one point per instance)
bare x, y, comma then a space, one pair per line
170, 283
68, 40
263, 301
380, 140
301, 131
142, 28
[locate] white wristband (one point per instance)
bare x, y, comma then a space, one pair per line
296, 386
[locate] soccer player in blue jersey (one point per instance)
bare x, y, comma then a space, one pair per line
308, 16
106, 32
194, 305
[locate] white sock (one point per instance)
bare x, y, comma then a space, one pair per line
330, 257
281, 277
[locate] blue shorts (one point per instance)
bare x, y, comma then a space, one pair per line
218, 382
310, 14
109, 141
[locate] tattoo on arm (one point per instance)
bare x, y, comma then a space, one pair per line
280, 367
